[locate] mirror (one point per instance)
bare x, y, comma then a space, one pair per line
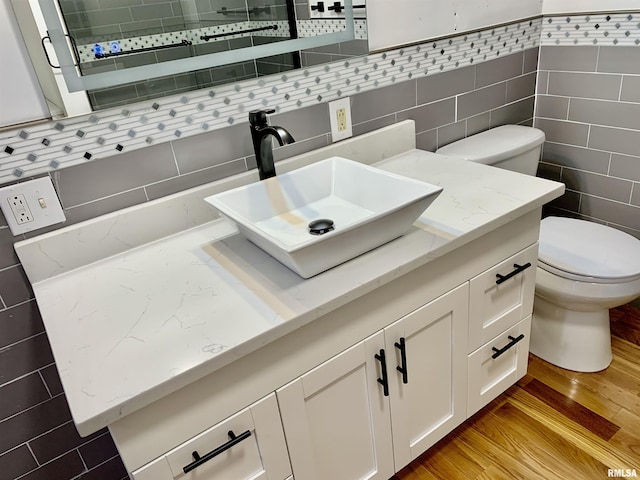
121, 52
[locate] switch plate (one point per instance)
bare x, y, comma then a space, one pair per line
340, 117
31, 205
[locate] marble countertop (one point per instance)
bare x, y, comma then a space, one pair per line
135, 326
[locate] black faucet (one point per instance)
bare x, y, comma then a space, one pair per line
261, 132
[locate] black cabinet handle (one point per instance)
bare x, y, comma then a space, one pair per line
384, 381
518, 269
198, 460
500, 351
402, 346
319, 7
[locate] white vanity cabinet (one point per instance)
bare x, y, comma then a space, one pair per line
500, 307
428, 384
336, 417
409, 379
249, 445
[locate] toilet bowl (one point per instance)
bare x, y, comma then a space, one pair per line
584, 268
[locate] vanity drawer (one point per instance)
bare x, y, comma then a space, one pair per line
501, 296
258, 451
497, 365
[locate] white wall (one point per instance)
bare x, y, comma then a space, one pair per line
392, 23
550, 7
21, 98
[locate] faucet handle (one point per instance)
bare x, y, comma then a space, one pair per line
259, 117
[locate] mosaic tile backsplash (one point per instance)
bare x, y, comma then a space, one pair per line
43, 148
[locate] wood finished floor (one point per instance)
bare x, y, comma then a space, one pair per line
553, 424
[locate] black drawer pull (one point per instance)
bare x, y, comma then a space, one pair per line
384, 381
518, 269
198, 460
402, 346
507, 346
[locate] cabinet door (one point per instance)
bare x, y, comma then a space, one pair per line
497, 365
501, 296
430, 400
258, 452
336, 418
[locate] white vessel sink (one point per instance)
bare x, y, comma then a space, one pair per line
368, 207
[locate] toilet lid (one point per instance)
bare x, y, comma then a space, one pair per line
588, 249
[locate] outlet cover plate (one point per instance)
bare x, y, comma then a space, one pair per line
333, 117
42, 202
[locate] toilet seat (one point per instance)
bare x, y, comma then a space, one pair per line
588, 252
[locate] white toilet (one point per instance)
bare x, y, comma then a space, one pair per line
584, 268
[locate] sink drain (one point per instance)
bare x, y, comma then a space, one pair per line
320, 226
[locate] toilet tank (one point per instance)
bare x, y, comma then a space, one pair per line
512, 147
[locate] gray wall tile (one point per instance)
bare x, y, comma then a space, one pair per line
303, 146
521, 87
625, 166
86, 182
18, 360
619, 60
194, 179
531, 60
595, 184
451, 133
105, 205
615, 212
564, 132
383, 101
17, 462
630, 89
19, 323
604, 104
8, 255
581, 59
514, 113
576, 157
568, 201
438, 87
98, 451
431, 115
614, 114
481, 100
22, 394
499, 70
365, 127
615, 140
549, 171
542, 82
635, 197
14, 289
305, 122
478, 123
212, 148
606, 87
427, 140
548, 106
151, 12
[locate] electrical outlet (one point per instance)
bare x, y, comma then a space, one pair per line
20, 209
31, 205
340, 117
